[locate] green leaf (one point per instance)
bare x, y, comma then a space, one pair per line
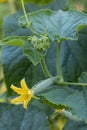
16, 118
33, 55
64, 97
73, 57
83, 78
72, 125
14, 40
15, 66
57, 25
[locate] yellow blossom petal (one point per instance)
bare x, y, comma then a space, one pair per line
23, 90
25, 104
17, 90
23, 84
23, 99
17, 100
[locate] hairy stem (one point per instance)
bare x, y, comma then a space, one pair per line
44, 68
60, 77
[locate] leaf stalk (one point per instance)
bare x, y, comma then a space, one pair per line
25, 14
59, 71
44, 68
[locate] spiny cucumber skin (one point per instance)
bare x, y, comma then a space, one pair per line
44, 85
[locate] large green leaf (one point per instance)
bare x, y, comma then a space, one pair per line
64, 97
58, 24
16, 66
73, 57
16, 118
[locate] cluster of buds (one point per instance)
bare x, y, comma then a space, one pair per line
40, 43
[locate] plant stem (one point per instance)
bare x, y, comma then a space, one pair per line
44, 68
60, 77
25, 14
71, 83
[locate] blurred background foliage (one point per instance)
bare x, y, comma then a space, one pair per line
78, 4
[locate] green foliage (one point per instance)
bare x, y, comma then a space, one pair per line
23, 50
63, 97
72, 55
75, 125
83, 77
33, 55
16, 118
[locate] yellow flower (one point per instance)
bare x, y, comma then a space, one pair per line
25, 94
